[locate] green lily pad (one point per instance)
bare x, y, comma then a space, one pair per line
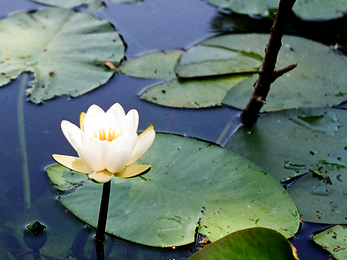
90, 4
192, 184
334, 240
210, 60
126, 1
157, 65
286, 147
59, 179
293, 90
191, 93
65, 50
310, 10
253, 243
313, 83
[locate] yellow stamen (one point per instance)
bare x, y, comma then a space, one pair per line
106, 135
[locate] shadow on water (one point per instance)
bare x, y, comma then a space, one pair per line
331, 33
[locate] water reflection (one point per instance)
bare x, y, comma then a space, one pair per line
331, 32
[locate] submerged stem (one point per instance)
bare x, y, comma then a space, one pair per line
22, 142
100, 230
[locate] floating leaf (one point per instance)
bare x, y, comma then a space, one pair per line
191, 93
285, 147
312, 83
90, 4
334, 240
209, 60
59, 179
311, 10
65, 50
158, 65
292, 90
191, 184
252, 243
126, 1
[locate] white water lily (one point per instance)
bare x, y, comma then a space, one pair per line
107, 143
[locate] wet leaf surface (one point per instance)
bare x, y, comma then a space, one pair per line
204, 60
294, 142
157, 65
193, 93
318, 80
240, 54
191, 184
334, 240
48, 43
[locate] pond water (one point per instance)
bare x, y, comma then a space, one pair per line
145, 26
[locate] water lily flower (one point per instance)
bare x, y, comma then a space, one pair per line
107, 143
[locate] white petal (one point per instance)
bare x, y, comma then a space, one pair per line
131, 122
117, 160
95, 119
101, 176
103, 149
72, 133
125, 142
89, 154
95, 110
145, 141
115, 114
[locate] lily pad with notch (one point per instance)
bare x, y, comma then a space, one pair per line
192, 184
65, 50
310, 142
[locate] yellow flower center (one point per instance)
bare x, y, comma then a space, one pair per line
106, 134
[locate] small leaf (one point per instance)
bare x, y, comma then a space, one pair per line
197, 93
58, 175
209, 60
334, 240
157, 65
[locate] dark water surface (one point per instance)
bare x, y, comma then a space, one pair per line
145, 26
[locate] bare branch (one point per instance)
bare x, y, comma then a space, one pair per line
278, 73
267, 72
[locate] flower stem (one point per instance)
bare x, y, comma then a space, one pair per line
100, 230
